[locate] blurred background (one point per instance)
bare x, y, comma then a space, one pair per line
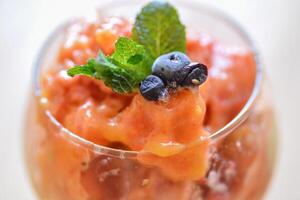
24, 24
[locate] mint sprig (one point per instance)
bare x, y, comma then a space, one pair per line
157, 31
123, 71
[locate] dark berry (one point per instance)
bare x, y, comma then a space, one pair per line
153, 88
196, 76
168, 67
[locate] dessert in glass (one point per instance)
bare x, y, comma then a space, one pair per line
150, 103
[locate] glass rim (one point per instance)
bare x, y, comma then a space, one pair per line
220, 133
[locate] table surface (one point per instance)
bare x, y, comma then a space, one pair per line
274, 25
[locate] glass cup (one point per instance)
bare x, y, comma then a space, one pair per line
64, 166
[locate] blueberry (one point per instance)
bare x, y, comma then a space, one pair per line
197, 74
153, 88
168, 67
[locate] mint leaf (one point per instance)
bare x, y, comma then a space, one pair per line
123, 71
159, 29
119, 79
87, 70
132, 56
135, 59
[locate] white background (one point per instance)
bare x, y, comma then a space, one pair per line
24, 24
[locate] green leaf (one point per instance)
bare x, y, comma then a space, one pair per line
120, 78
159, 29
135, 59
87, 70
132, 56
